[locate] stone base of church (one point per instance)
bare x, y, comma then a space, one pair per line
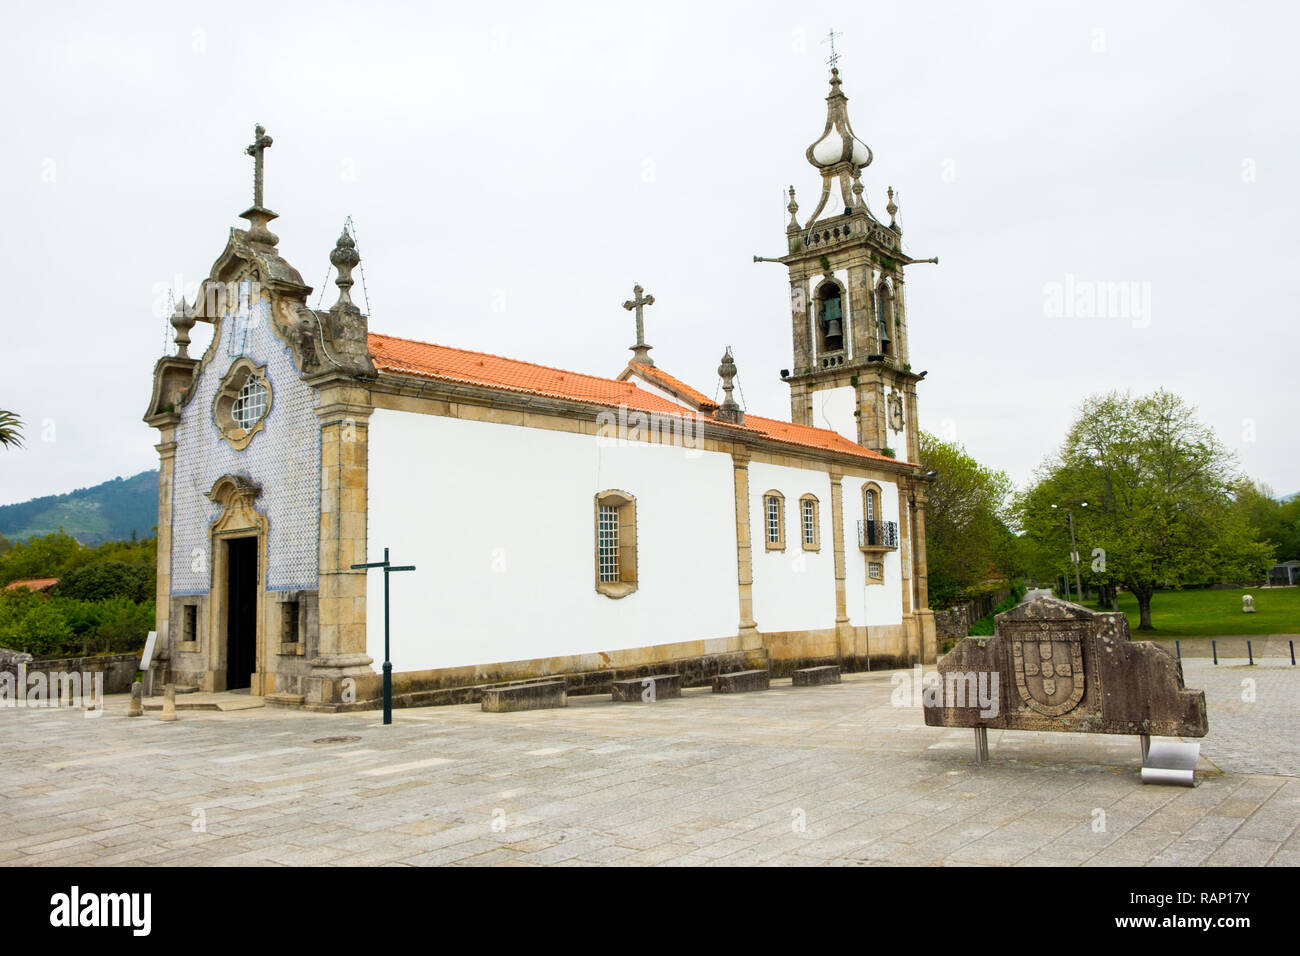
861, 649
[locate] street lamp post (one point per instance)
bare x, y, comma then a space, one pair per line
388, 664
1074, 551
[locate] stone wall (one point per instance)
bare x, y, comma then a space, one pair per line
955, 621
118, 669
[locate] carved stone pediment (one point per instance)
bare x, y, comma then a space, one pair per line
236, 495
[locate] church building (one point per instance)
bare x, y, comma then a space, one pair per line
559, 523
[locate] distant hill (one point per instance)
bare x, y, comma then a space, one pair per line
107, 512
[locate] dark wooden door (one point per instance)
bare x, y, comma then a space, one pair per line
241, 612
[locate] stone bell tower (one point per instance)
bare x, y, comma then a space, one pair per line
852, 372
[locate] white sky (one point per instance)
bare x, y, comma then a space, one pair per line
513, 171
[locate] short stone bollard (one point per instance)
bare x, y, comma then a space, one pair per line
1247, 604
169, 703
136, 707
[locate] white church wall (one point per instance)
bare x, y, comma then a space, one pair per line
653, 389
834, 408
873, 604
284, 458
794, 590
499, 521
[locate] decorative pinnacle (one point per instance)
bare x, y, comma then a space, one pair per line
892, 209
345, 258
640, 351
793, 207
729, 411
182, 322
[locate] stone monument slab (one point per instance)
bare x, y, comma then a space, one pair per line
1052, 665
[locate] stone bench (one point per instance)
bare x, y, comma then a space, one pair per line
535, 696
812, 676
738, 682
648, 689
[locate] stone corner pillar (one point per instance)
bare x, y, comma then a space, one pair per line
166, 478
844, 636
747, 631
341, 672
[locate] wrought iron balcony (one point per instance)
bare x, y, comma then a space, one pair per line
878, 535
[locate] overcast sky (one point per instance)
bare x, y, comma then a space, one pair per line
513, 171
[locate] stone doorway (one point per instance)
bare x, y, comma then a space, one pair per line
241, 611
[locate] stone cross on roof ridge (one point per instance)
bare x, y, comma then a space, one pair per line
640, 351
258, 146
257, 215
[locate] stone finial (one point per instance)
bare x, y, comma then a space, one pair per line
640, 351
182, 322
858, 201
892, 209
729, 411
793, 208
345, 258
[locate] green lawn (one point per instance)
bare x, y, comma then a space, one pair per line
1215, 613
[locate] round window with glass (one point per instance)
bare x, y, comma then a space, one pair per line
250, 404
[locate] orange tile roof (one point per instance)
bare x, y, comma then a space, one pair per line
409, 357
673, 384
34, 584
479, 368
812, 437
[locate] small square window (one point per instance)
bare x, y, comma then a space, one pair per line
289, 622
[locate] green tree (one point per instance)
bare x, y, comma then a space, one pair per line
46, 557
1274, 521
11, 430
966, 541
100, 580
1159, 489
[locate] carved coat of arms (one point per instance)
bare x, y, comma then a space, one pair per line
1048, 669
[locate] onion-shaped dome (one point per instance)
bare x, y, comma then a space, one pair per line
838, 144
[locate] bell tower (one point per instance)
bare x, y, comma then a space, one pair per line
852, 372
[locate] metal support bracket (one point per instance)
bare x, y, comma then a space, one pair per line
1171, 762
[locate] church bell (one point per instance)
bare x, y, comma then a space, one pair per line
833, 323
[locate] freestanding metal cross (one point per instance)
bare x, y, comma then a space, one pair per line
830, 38
638, 302
388, 664
255, 150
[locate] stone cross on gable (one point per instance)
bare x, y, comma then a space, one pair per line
255, 150
640, 351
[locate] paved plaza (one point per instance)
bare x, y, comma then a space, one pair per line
789, 776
